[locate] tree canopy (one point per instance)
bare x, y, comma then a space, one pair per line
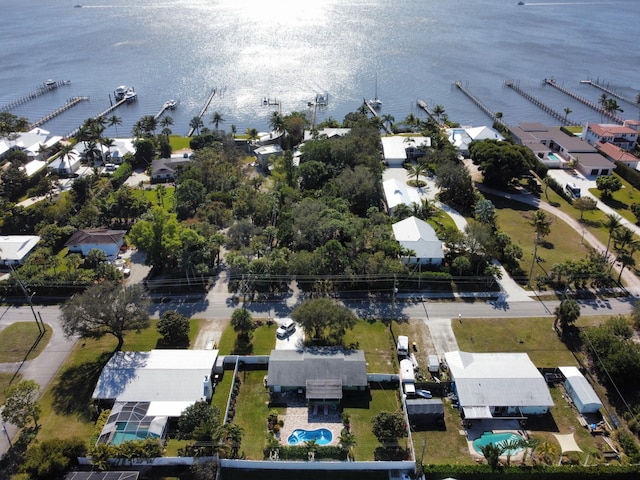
174, 329
389, 426
20, 406
324, 321
500, 162
106, 308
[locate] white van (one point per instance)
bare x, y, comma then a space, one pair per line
403, 345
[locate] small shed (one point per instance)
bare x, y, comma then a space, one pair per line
579, 389
425, 412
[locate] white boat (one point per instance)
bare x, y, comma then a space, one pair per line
130, 95
376, 103
170, 104
51, 83
120, 92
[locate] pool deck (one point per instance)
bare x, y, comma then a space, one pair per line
304, 417
494, 426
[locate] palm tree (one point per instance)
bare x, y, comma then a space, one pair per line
547, 451
347, 441
509, 447
252, 133
491, 453
625, 245
417, 169
603, 100
438, 111
567, 111
43, 151
566, 314
611, 106
276, 122
92, 152
612, 223
388, 120
196, 123
114, 120
217, 119
234, 130
542, 227
67, 152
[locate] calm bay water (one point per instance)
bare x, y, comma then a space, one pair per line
292, 50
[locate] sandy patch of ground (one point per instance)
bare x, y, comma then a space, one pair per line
210, 333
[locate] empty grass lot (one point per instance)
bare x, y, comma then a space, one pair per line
621, 200
17, 342
263, 340
374, 338
252, 412
534, 336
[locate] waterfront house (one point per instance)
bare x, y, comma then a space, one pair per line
165, 169
614, 153
623, 136
31, 143
107, 241
266, 153
462, 137
421, 239
498, 385
397, 149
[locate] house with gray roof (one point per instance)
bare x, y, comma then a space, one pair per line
498, 385
108, 241
165, 169
322, 374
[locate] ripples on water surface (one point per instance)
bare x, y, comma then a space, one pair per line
290, 51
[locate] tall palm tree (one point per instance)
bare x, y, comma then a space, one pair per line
612, 222
388, 120
603, 100
67, 152
567, 111
114, 120
438, 111
234, 130
547, 451
196, 123
542, 227
109, 143
252, 133
417, 169
217, 119
611, 106
43, 151
92, 152
276, 122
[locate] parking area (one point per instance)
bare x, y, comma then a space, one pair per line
293, 341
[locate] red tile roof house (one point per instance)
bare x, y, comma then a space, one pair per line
623, 136
617, 154
109, 241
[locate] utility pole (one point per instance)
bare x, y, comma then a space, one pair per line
29, 296
393, 302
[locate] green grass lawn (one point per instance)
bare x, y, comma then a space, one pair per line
534, 336
361, 413
67, 408
151, 195
5, 382
263, 340
17, 342
252, 412
374, 338
621, 200
179, 142
221, 395
443, 446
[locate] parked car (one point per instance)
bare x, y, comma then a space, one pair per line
286, 328
424, 393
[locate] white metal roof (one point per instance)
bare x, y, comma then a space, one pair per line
417, 235
497, 379
397, 192
581, 386
395, 147
174, 378
15, 248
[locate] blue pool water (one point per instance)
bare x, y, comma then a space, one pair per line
554, 157
496, 439
322, 436
120, 437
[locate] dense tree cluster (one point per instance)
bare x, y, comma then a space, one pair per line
500, 162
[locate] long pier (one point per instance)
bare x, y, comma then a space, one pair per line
610, 92
540, 104
479, 104
72, 102
375, 114
423, 105
41, 90
588, 103
203, 110
104, 113
164, 108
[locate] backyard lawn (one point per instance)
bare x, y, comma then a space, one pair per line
252, 412
375, 339
621, 200
151, 194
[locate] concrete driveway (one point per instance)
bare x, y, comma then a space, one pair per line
293, 341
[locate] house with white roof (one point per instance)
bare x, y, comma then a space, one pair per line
325, 133
31, 143
265, 153
14, 249
397, 149
582, 394
421, 238
462, 137
148, 388
397, 193
498, 385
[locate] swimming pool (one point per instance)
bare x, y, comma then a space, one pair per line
121, 437
497, 439
322, 436
554, 158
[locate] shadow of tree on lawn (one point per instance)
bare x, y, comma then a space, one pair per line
72, 393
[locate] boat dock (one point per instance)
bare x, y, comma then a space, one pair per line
375, 114
166, 106
104, 113
479, 103
540, 104
203, 110
72, 102
41, 90
610, 92
588, 103
423, 105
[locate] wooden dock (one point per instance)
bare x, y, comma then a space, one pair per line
610, 92
479, 104
540, 104
375, 114
41, 90
72, 102
423, 105
203, 110
104, 113
598, 108
164, 109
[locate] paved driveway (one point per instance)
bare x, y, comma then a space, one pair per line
293, 341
